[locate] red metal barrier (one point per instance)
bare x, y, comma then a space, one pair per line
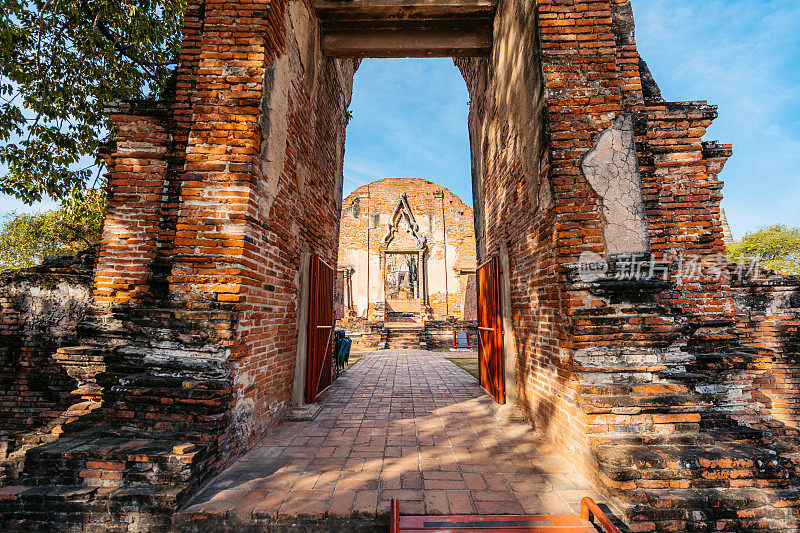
394, 525
589, 507
502, 523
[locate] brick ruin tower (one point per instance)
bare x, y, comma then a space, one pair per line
676, 392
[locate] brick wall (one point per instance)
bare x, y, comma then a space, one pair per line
516, 191
656, 357
768, 318
39, 310
546, 211
217, 193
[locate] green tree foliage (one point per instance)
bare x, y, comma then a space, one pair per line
60, 62
27, 238
777, 246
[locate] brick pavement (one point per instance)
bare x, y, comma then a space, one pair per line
403, 424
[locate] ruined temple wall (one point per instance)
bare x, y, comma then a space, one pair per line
39, 310
218, 198
444, 221
573, 151
631, 173
593, 163
297, 205
648, 348
516, 213
558, 116
642, 148
284, 205
145, 162
768, 319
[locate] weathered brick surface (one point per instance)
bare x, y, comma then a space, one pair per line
627, 364
209, 231
39, 310
768, 318
220, 189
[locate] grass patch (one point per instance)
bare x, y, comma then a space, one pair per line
469, 365
351, 362
348, 366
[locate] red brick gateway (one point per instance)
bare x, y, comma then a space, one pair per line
676, 395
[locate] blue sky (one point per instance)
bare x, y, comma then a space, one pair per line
410, 116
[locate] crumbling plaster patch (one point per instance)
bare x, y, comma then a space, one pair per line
274, 129
300, 58
518, 91
612, 169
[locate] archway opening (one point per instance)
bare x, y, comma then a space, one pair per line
407, 249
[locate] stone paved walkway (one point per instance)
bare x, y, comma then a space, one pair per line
402, 424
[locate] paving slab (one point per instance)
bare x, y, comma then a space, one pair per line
405, 424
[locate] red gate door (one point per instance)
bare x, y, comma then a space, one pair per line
490, 331
320, 329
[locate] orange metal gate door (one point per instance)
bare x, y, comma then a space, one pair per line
320, 329
490, 330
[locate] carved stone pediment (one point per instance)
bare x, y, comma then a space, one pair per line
402, 232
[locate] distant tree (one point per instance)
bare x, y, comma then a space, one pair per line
27, 238
61, 61
778, 248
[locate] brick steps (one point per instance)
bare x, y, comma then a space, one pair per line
650, 411
649, 438
98, 477
83, 364
147, 404
156, 414
670, 444
716, 465
732, 509
632, 388
642, 403
93, 455
400, 338
402, 317
19, 443
778, 428
687, 486
73, 508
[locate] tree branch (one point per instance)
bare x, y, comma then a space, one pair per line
106, 32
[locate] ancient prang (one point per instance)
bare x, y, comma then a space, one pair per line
675, 391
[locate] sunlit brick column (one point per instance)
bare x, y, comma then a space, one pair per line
584, 98
261, 186
136, 182
222, 152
